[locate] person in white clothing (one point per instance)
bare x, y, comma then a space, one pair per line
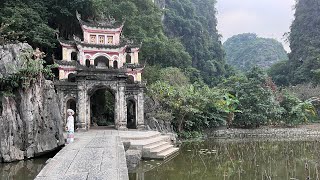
70, 126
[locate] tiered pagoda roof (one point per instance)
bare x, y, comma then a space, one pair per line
103, 23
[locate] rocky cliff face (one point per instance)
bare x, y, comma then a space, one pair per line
10, 60
30, 121
160, 3
155, 119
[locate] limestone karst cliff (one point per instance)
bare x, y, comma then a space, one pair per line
30, 121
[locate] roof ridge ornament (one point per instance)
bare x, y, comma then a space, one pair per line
78, 15
101, 22
76, 38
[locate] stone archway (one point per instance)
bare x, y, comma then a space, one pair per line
117, 88
102, 108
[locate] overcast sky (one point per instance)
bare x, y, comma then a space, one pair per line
266, 18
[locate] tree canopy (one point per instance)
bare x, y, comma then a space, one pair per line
194, 22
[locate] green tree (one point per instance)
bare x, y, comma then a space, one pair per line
229, 105
279, 73
296, 111
31, 19
257, 101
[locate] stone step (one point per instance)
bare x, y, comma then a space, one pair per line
161, 149
167, 153
153, 154
140, 136
139, 144
154, 146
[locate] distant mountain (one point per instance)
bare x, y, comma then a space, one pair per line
246, 50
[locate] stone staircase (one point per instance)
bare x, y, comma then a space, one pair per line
152, 144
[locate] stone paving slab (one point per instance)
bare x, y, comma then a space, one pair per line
95, 155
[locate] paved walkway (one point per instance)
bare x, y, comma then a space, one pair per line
95, 155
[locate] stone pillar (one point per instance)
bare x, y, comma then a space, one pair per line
120, 108
82, 107
140, 110
92, 62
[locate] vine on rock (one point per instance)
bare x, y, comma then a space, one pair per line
32, 69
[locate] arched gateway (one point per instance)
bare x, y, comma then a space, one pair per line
101, 65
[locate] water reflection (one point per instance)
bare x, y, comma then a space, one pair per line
237, 160
22, 170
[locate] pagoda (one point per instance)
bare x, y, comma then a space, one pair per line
102, 59
102, 47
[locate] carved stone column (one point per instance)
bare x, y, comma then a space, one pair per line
82, 105
140, 110
120, 108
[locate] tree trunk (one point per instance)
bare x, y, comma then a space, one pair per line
230, 118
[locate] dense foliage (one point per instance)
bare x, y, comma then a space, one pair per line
280, 73
194, 22
305, 43
257, 101
193, 106
245, 51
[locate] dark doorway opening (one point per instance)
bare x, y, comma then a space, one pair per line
128, 59
101, 62
115, 64
131, 114
72, 77
130, 79
87, 62
102, 104
74, 56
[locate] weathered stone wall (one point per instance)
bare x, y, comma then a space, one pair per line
30, 121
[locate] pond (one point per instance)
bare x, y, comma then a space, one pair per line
219, 159
22, 170
213, 159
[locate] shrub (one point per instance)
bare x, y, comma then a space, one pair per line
296, 111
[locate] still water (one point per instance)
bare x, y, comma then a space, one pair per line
237, 160
23, 170
214, 160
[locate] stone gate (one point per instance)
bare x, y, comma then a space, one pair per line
102, 59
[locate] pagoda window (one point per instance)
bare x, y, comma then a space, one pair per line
115, 64
93, 39
110, 39
130, 79
101, 39
128, 59
87, 62
74, 56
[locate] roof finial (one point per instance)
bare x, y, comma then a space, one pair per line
78, 15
